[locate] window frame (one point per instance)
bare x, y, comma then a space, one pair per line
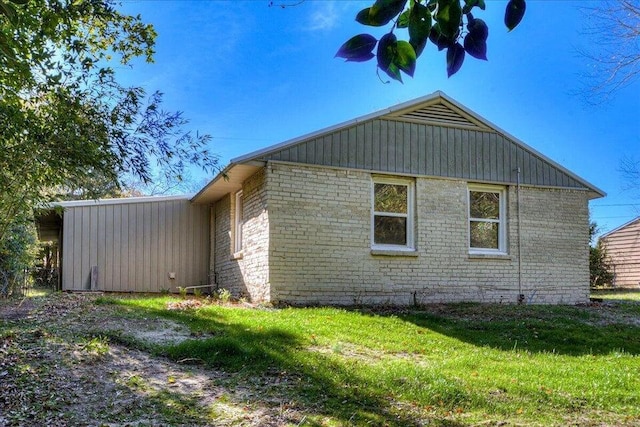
501, 221
410, 215
238, 221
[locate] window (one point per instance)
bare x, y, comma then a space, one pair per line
487, 219
239, 219
392, 214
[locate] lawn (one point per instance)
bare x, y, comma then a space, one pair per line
453, 365
617, 294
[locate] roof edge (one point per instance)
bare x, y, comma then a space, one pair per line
498, 129
339, 126
626, 224
116, 201
403, 106
220, 175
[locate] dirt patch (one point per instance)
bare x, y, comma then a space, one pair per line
10, 310
58, 367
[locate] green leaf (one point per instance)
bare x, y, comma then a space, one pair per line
455, 58
5, 48
418, 45
419, 22
395, 56
514, 13
419, 27
358, 48
439, 39
478, 28
405, 57
475, 42
449, 17
475, 47
381, 13
19, 2
403, 19
364, 17
386, 53
470, 4
386, 10
9, 11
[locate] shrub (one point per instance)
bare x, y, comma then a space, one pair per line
18, 252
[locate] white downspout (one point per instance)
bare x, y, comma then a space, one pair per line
520, 294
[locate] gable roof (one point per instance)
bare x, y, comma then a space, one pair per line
429, 136
623, 226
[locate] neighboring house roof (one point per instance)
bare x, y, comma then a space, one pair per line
623, 253
429, 136
623, 226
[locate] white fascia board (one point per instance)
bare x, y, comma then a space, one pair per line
116, 201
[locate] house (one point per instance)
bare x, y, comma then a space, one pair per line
423, 202
622, 247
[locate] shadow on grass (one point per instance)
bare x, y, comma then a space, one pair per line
282, 368
277, 365
566, 330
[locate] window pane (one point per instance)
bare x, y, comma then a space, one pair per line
390, 198
484, 234
484, 205
390, 230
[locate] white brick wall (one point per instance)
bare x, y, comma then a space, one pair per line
319, 244
245, 274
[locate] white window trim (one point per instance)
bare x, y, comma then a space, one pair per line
410, 184
502, 221
238, 222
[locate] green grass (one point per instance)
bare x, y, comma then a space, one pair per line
450, 365
617, 294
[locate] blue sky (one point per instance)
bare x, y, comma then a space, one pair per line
251, 75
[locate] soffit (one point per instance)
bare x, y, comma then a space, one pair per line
228, 181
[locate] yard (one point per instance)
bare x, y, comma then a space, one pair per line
159, 360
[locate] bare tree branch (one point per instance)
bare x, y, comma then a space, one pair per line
613, 27
630, 169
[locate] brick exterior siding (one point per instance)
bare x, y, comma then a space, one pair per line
320, 246
307, 240
245, 273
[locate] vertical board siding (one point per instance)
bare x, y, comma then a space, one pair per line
428, 150
136, 245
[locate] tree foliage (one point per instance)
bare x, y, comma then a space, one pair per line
448, 24
600, 274
65, 120
17, 253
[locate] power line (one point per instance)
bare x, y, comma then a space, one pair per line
615, 204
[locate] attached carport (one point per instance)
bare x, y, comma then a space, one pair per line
140, 244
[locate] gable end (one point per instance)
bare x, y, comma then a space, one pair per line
440, 114
394, 146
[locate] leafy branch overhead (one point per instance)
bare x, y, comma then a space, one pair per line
65, 118
448, 24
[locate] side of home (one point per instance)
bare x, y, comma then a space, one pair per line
622, 246
423, 203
